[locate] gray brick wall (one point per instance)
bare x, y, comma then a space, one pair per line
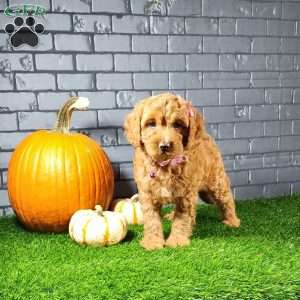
238, 61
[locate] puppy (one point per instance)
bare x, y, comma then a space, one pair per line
174, 160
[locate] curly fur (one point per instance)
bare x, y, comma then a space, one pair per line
169, 118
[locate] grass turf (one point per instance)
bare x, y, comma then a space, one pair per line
261, 260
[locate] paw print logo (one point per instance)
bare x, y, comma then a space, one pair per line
20, 33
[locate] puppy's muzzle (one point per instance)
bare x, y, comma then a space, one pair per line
165, 147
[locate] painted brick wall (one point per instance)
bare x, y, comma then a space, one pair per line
238, 61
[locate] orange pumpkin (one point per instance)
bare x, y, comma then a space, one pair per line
54, 173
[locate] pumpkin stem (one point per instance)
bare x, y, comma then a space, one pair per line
134, 198
64, 114
99, 210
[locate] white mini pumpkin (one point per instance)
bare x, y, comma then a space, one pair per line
131, 209
97, 227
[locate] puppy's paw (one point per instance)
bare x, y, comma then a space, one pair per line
177, 241
152, 243
235, 222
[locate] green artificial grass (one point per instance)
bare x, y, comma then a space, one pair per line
261, 260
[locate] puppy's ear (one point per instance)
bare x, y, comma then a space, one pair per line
132, 126
196, 126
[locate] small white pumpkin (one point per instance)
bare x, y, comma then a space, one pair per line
131, 209
97, 227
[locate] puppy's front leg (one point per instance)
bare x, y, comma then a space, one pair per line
184, 219
153, 231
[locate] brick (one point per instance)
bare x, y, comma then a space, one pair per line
290, 112
265, 79
226, 131
4, 200
4, 178
251, 27
150, 81
130, 98
264, 112
282, 95
149, 44
184, 44
263, 145
144, 7
126, 171
280, 62
75, 81
16, 62
70, 6
36, 120
225, 80
40, 81
112, 6
290, 45
279, 27
248, 192
166, 25
212, 129
227, 97
296, 65
105, 137
224, 44
114, 81
44, 3
52, 100
249, 96
72, 42
227, 62
203, 97
100, 100
290, 79
296, 127
16, 101
125, 188
233, 8
278, 159
8, 122
277, 189
203, 26
238, 178
246, 62
112, 118
188, 80
251, 129
290, 10
241, 146
202, 62
261, 176
295, 187
9, 140
130, 24
122, 140
289, 143
289, 174
112, 43
278, 128
4, 159
244, 162
120, 153
228, 163
132, 62
184, 8
227, 26
267, 9
91, 23
94, 62
296, 95
265, 45
57, 22
6, 83
84, 119
54, 62
219, 114
161, 62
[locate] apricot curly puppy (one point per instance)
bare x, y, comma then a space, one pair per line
175, 159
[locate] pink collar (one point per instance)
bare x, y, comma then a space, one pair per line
173, 162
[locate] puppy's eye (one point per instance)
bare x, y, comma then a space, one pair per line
178, 124
151, 123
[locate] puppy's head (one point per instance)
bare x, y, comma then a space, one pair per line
164, 126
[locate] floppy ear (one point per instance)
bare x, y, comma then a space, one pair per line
132, 126
196, 126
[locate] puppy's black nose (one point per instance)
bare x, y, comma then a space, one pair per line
164, 147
